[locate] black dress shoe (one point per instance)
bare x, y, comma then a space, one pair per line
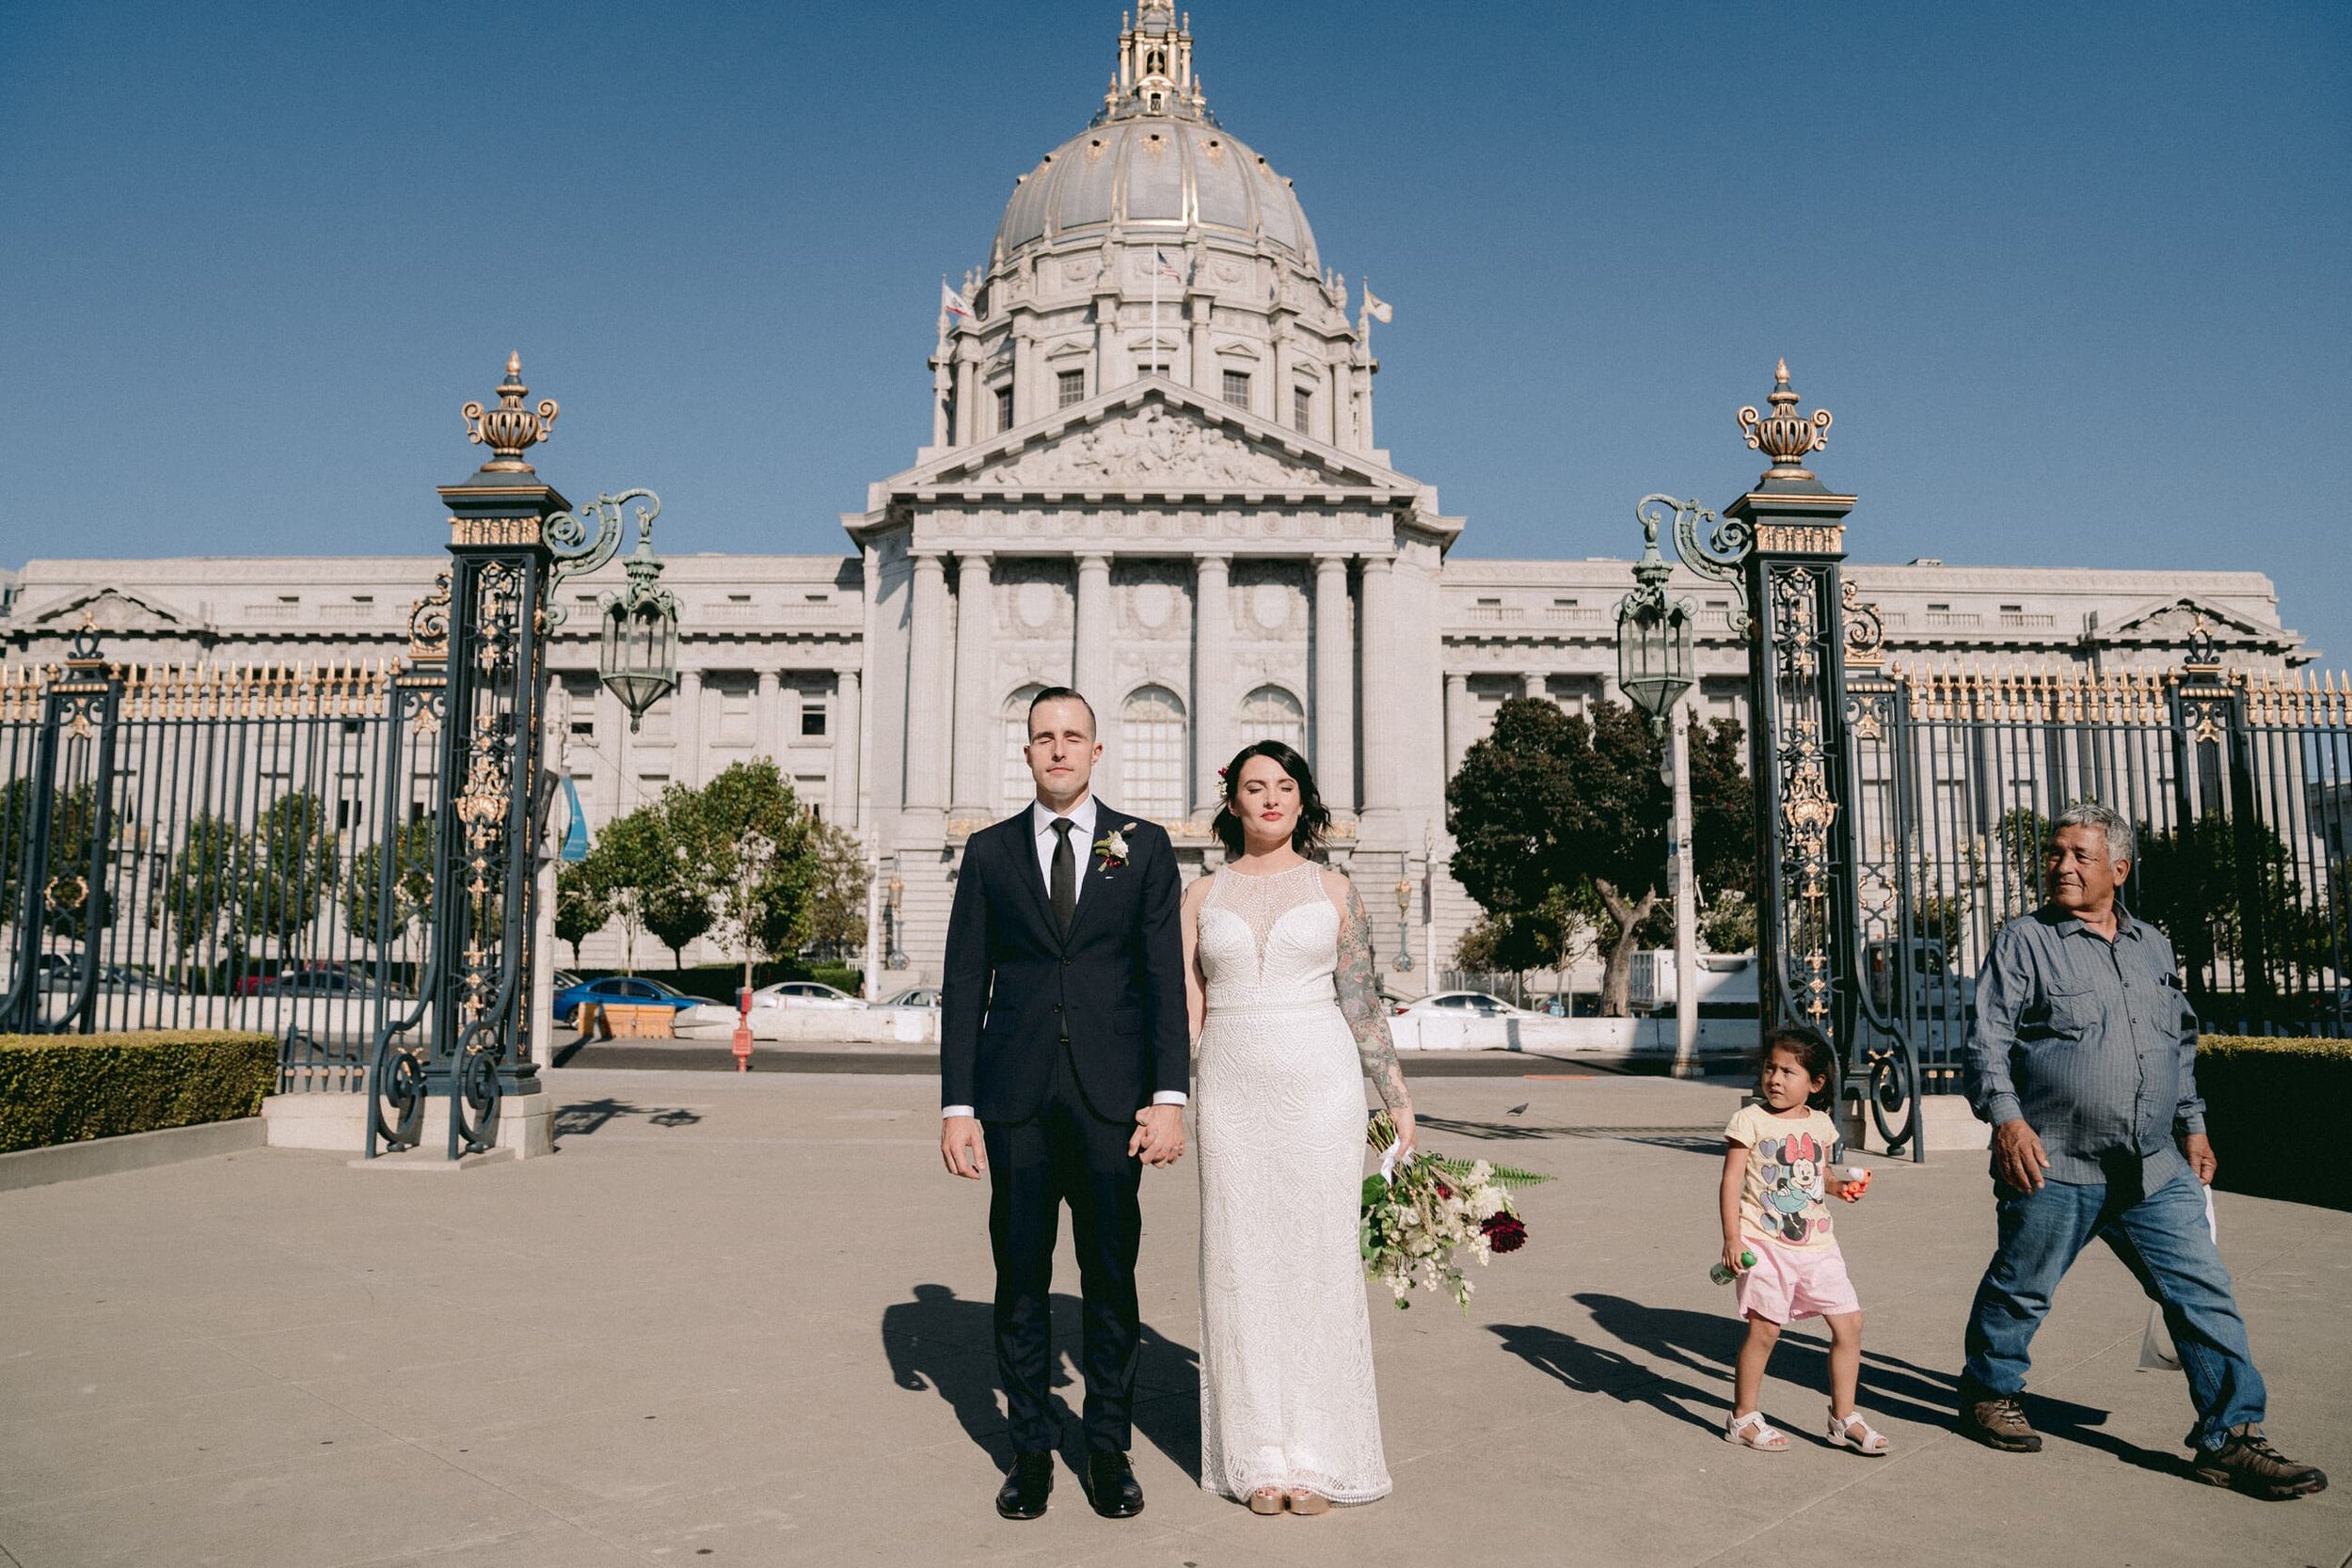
1111, 1485
1027, 1486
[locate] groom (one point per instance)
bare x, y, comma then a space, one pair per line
1064, 1060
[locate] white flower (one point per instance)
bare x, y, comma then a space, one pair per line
1114, 844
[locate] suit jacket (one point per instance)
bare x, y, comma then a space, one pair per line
1016, 987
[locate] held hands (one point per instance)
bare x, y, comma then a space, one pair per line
2018, 1157
961, 1147
1159, 1138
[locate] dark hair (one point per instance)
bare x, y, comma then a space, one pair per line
1063, 694
1813, 1051
1314, 818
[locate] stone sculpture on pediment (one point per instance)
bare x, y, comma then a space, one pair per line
1150, 445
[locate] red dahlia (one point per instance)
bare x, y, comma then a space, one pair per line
1505, 1232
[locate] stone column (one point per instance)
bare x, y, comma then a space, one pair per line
927, 694
686, 729
1211, 675
1458, 719
1091, 655
1110, 366
1278, 400
1334, 731
967, 394
1025, 403
976, 685
1379, 684
611, 797
769, 734
1198, 306
848, 735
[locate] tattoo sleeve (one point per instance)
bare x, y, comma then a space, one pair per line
1360, 1003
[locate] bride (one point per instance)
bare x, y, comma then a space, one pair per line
1280, 981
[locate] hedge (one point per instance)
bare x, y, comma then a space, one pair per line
68, 1088
2274, 1109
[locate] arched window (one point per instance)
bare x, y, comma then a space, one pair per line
1152, 753
1019, 788
1270, 713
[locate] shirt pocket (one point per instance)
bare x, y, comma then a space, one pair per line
2072, 1013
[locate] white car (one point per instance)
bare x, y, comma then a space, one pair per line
1465, 1004
914, 996
802, 994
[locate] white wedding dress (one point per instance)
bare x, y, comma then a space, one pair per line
1286, 1388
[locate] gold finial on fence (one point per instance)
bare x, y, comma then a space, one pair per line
510, 429
1785, 435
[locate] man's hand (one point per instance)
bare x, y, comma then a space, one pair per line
1159, 1138
2201, 1157
963, 1147
2018, 1157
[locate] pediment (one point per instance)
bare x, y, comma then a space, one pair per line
1156, 438
2177, 619
107, 610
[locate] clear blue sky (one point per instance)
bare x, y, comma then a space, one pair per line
2076, 280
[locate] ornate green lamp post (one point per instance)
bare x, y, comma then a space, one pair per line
1655, 669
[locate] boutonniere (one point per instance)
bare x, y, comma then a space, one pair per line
1112, 847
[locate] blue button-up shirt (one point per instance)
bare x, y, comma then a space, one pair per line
2092, 1041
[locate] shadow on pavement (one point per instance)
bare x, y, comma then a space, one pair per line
1592, 1369
941, 1342
1708, 1343
584, 1118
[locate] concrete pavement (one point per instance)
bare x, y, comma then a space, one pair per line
743, 1319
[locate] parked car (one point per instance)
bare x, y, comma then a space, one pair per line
1475, 1004
629, 991
1726, 983
914, 996
802, 994
113, 980
255, 985
327, 982
565, 979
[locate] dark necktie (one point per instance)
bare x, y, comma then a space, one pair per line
1064, 882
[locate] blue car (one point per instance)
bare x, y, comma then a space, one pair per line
633, 990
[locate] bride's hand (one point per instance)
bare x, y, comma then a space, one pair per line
1407, 1140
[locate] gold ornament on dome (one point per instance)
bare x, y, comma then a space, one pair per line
1784, 434
510, 429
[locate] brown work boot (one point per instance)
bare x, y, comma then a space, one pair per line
2247, 1460
2000, 1422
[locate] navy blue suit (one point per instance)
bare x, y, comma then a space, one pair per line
1057, 1040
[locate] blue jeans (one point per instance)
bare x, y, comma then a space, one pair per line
2162, 1239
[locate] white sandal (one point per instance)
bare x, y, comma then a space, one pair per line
1842, 1434
1753, 1431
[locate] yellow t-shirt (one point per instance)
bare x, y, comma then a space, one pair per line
1781, 1199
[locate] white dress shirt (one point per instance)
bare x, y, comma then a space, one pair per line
1041, 819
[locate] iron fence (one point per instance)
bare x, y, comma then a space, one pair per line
232, 847
2239, 787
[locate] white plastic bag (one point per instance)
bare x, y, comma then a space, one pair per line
2157, 1353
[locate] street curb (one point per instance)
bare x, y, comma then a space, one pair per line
169, 1145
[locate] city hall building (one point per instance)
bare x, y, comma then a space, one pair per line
1152, 472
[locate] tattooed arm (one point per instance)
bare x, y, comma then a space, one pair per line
1360, 1004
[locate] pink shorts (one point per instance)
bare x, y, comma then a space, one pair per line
1788, 1283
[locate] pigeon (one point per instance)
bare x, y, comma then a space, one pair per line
1517, 1109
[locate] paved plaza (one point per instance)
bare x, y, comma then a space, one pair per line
744, 1321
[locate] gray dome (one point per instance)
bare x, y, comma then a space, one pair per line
1154, 171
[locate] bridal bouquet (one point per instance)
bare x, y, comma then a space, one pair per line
1421, 1210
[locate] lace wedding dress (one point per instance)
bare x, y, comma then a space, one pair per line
1291, 1027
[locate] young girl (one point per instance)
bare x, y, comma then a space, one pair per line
1778, 1155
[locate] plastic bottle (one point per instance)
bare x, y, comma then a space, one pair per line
1722, 1275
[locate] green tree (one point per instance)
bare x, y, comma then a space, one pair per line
2193, 884
630, 864
836, 918
286, 872
1555, 810
410, 907
198, 890
746, 849
583, 905
72, 821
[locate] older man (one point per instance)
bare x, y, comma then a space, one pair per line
2084, 1060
